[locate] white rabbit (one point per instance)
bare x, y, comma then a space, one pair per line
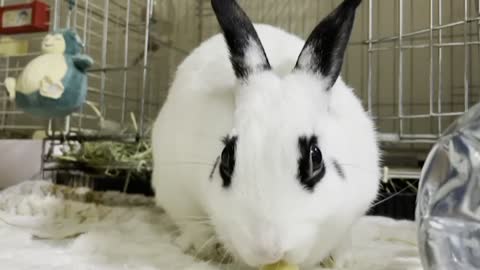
299, 162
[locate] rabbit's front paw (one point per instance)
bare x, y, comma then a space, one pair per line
343, 259
342, 256
183, 241
203, 245
196, 241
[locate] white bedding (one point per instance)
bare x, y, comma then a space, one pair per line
115, 231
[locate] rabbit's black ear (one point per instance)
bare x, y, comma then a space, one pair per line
246, 51
325, 47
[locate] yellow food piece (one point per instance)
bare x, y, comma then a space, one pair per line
281, 265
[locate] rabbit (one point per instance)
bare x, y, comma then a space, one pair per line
261, 145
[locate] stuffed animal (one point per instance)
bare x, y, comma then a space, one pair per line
54, 84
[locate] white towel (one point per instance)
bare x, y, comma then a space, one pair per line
121, 232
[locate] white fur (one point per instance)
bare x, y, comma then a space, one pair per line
305, 59
265, 214
254, 56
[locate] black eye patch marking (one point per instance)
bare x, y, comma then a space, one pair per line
227, 160
311, 167
339, 169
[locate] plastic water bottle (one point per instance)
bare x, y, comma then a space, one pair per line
448, 200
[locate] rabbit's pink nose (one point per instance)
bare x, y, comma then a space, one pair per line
269, 247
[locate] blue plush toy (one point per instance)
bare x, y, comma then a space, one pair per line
54, 84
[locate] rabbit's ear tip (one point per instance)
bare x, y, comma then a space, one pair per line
246, 51
219, 4
354, 2
325, 47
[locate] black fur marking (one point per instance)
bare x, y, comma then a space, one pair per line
328, 42
227, 160
239, 32
311, 167
339, 169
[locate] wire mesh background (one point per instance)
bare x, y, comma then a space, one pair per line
117, 36
413, 62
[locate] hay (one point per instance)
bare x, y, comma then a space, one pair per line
120, 155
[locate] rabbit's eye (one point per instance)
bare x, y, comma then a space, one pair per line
311, 167
227, 161
316, 160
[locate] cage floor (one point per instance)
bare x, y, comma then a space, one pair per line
46, 227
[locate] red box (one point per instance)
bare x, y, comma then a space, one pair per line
25, 18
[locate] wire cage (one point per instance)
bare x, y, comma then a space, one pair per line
127, 84
117, 36
421, 77
412, 62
